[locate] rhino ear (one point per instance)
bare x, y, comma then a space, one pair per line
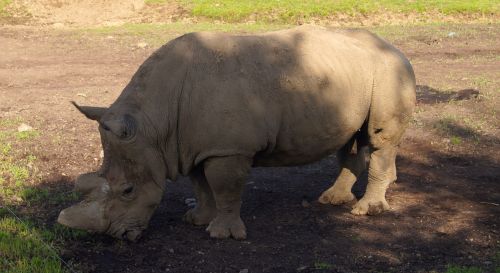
124, 127
93, 113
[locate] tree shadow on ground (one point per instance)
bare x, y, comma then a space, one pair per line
429, 95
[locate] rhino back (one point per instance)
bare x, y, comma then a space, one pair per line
285, 98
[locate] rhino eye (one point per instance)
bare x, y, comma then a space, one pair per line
128, 190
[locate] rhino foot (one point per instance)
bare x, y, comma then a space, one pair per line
370, 206
335, 197
223, 227
199, 217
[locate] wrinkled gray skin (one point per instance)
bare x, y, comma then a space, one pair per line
211, 106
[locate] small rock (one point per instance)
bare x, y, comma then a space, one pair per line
109, 37
306, 204
82, 95
24, 127
188, 201
101, 154
452, 34
142, 45
244, 270
171, 250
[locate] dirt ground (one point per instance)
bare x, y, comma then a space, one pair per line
445, 203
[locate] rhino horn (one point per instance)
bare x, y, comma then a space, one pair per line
93, 113
84, 215
89, 182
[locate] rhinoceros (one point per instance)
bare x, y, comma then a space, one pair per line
212, 105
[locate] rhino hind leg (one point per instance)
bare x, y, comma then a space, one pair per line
352, 165
205, 209
381, 172
226, 177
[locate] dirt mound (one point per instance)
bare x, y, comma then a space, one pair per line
94, 12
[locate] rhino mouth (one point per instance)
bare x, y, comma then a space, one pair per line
132, 235
129, 233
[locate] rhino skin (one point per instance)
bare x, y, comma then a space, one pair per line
212, 105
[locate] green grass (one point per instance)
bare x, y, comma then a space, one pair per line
23, 245
158, 34
153, 2
3, 4
23, 250
9, 122
14, 172
26, 135
455, 140
457, 129
178, 27
322, 266
5, 148
463, 269
290, 10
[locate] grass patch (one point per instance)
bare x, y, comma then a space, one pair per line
481, 82
455, 140
9, 122
27, 135
3, 4
5, 148
26, 248
13, 172
158, 34
463, 269
449, 126
178, 27
154, 2
30, 195
23, 250
291, 10
322, 266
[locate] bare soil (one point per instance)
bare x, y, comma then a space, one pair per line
445, 203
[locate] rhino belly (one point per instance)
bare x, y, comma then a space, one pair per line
300, 146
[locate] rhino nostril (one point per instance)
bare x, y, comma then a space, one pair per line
131, 235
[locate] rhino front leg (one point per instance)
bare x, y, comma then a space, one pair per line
352, 165
226, 177
205, 210
381, 172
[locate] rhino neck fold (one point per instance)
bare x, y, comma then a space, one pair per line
158, 88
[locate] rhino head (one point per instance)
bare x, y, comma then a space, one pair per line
122, 196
